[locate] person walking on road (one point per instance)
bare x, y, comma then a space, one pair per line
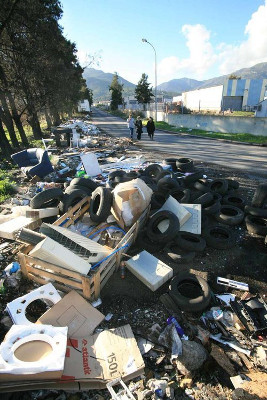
130, 122
139, 127
150, 127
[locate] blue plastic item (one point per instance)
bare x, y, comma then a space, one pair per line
180, 331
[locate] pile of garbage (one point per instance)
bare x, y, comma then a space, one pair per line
99, 213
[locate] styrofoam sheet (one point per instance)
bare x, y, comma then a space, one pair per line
149, 269
17, 307
193, 224
18, 335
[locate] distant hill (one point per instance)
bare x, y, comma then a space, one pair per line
179, 85
100, 81
258, 71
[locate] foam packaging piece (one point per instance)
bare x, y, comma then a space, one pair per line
149, 269
33, 349
17, 307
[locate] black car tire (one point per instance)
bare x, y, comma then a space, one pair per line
232, 184
256, 225
218, 237
47, 198
193, 177
202, 185
184, 284
165, 173
171, 162
71, 199
256, 212
260, 196
100, 204
157, 200
212, 208
190, 241
219, 186
184, 164
167, 184
89, 183
117, 172
230, 215
155, 234
153, 170
233, 200
181, 195
71, 188
203, 199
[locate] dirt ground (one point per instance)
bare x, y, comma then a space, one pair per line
130, 301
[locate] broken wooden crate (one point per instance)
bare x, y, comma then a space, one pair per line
64, 279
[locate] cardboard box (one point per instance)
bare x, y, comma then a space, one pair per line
104, 356
130, 199
91, 362
74, 312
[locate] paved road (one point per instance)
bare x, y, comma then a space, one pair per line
252, 159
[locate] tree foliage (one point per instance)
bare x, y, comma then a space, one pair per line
39, 70
116, 89
233, 76
143, 91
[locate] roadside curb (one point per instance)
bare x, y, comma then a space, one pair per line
210, 138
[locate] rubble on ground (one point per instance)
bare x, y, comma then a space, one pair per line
149, 244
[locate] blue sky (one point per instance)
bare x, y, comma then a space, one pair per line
197, 39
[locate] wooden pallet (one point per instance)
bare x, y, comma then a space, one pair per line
89, 286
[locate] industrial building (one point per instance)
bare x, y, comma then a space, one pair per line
234, 94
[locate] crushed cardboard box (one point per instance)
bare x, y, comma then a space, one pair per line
91, 362
74, 312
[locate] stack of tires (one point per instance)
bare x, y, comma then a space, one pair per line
256, 218
79, 188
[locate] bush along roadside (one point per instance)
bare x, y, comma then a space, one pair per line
7, 186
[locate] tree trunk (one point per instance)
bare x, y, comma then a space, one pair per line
48, 119
17, 120
56, 117
7, 120
35, 125
4, 143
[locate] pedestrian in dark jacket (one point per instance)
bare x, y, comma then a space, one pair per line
150, 127
139, 127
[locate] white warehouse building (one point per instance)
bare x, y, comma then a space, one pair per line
204, 99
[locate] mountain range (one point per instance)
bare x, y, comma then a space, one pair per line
100, 81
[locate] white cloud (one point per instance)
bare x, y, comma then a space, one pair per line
226, 57
251, 51
200, 59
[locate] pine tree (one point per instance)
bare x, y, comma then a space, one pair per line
143, 92
116, 92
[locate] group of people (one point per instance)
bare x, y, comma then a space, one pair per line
150, 127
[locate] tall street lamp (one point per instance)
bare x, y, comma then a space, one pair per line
156, 102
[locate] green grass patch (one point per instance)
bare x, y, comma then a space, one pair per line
243, 114
7, 187
237, 137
